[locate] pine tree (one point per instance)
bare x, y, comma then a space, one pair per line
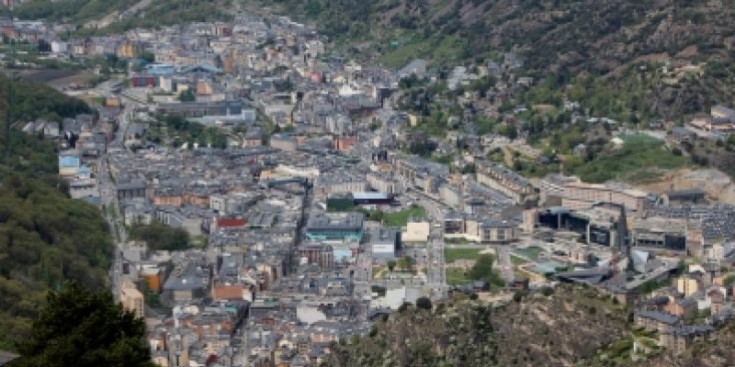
78, 327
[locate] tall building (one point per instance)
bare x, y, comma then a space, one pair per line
131, 298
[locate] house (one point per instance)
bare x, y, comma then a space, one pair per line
681, 197
69, 163
129, 190
680, 339
655, 320
717, 299
132, 299
687, 285
721, 118
681, 135
189, 280
684, 308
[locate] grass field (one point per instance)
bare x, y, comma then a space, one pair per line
638, 152
442, 50
454, 254
400, 219
517, 260
456, 276
530, 252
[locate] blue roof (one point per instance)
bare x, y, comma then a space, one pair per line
85, 169
160, 69
68, 161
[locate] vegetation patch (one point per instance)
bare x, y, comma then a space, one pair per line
453, 254
637, 152
456, 276
159, 236
401, 218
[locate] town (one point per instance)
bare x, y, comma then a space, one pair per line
302, 198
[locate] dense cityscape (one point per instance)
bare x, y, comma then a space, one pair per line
269, 198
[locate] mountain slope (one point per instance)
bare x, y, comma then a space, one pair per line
569, 324
157, 13
716, 352
567, 39
45, 237
74, 11
597, 36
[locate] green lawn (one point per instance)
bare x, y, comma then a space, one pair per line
457, 241
638, 152
516, 260
456, 276
441, 50
454, 254
531, 252
400, 219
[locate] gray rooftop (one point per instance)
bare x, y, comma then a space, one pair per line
349, 220
662, 317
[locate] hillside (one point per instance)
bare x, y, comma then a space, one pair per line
717, 352
565, 39
118, 16
550, 35
557, 329
45, 237
73, 11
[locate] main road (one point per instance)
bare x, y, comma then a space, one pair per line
108, 195
435, 246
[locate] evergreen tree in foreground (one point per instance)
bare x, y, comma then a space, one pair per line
78, 327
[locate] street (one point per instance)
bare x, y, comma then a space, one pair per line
108, 195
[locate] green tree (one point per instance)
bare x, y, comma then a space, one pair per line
729, 280
483, 270
483, 267
159, 236
391, 265
424, 302
81, 328
187, 96
469, 168
407, 263
148, 56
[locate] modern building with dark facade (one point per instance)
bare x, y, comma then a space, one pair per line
335, 226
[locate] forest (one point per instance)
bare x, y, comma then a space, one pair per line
74, 10
46, 238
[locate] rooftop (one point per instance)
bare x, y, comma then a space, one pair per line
658, 316
348, 220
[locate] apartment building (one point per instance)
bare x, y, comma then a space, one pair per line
479, 229
504, 180
131, 298
580, 195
